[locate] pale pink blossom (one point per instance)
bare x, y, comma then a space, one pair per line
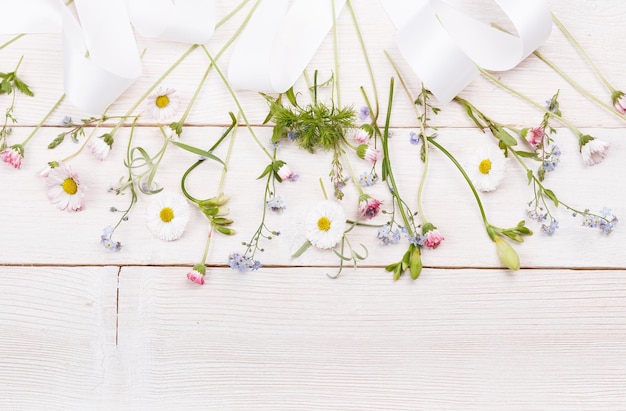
64, 190
12, 156
369, 207
99, 148
361, 136
432, 238
619, 102
594, 151
196, 277
369, 153
535, 136
285, 173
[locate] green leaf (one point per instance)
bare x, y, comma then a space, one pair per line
528, 154
23, 87
529, 174
267, 170
551, 196
291, 96
502, 135
198, 151
343, 257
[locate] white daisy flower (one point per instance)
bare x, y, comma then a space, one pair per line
163, 104
486, 167
325, 224
64, 190
167, 216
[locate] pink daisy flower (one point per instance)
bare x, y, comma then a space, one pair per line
13, 155
64, 190
369, 207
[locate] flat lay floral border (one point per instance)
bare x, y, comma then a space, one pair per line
315, 120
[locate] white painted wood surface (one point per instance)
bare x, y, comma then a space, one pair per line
87, 329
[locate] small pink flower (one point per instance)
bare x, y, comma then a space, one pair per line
100, 148
432, 238
285, 173
195, 277
535, 136
619, 102
368, 153
594, 151
369, 207
12, 155
361, 136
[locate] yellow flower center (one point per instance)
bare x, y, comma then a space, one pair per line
323, 224
167, 215
162, 101
69, 186
485, 166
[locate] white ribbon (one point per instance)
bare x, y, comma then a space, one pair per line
187, 21
100, 54
443, 45
278, 43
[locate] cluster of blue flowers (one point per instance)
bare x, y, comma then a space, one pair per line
552, 159
550, 229
107, 242
388, 236
606, 221
242, 263
536, 216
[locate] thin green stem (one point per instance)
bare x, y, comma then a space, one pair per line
351, 172
577, 86
44, 119
236, 100
336, 53
231, 14
19, 36
465, 176
387, 162
569, 124
366, 56
582, 52
206, 246
152, 87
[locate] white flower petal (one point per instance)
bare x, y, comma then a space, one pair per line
325, 238
173, 229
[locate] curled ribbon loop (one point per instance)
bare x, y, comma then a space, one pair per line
278, 43
100, 62
100, 54
443, 45
187, 21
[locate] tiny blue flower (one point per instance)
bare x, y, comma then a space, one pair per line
292, 135
364, 113
276, 204
368, 179
66, 121
414, 138
551, 228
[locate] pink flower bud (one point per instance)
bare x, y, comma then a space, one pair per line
535, 136
196, 277
369, 207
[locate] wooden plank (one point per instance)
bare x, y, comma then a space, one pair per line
58, 327
448, 203
295, 339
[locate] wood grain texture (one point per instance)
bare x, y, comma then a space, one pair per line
455, 339
58, 328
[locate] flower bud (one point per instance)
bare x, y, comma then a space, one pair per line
507, 254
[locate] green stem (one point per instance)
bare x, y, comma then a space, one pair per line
44, 119
366, 56
351, 172
387, 162
206, 247
152, 87
19, 36
577, 86
583, 53
569, 124
465, 176
234, 96
336, 53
